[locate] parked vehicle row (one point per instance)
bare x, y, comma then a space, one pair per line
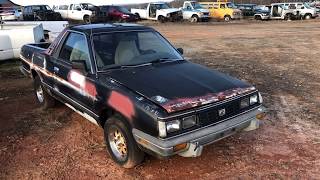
159, 11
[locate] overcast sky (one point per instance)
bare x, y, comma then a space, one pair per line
95, 2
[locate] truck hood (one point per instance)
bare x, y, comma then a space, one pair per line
170, 10
180, 85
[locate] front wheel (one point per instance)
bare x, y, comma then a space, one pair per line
227, 18
194, 19
121, 144
307, 17
42, 96
162, 19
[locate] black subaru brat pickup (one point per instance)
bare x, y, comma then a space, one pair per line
132, 82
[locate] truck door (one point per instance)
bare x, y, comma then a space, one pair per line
76, 87
76, 12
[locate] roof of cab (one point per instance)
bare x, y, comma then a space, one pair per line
99, 28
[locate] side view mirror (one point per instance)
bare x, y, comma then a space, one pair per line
79, 65
180, 50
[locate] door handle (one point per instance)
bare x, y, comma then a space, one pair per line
56, 69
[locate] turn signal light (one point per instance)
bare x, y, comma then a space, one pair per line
179, 147
261, 116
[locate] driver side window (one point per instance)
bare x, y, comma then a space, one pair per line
75, 48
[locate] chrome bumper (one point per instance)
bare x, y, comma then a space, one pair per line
197, 139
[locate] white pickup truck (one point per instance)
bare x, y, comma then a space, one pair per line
194, 12
77, 12
158, 11
14, 36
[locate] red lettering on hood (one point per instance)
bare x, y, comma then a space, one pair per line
121, 104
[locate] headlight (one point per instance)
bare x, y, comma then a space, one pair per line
253, 99
176, 125
173, 126
244, 103
189, 122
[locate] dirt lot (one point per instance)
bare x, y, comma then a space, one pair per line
280, 58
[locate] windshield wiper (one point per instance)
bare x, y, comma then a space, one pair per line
161, 60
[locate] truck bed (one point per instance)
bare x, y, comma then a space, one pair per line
27, 52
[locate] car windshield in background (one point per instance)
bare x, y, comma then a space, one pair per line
196, 5
162, 6
42, 8
123, 10
307, 5
231, 5
86, 6
132, 48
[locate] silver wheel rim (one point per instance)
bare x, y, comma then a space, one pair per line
227, 19
118, 143
39, 93
193, 19
307, 17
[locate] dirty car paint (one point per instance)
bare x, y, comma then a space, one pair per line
186, 103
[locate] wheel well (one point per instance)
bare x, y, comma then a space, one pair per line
34, 73
194, 15
159, 17
105, 114
86, 15
308, 14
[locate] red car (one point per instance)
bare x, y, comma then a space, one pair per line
118, 13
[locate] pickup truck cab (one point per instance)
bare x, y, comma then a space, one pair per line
158, 11
79, 12
222, 10
132, 82
194, 12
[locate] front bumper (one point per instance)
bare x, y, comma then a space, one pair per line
199, 138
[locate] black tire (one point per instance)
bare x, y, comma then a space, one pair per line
134, 155
258, 18
162, 19
194, 18
86, 19
138, 16
47, 100
307, 16
288, 17
227, 18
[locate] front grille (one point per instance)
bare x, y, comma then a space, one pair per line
206, 14
211, 115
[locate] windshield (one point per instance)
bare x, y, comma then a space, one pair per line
131, 48
87, 6
162, 6
123, 10
307, 5
42, 8
231, 5
196, 5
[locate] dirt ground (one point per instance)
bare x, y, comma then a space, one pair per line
279, 58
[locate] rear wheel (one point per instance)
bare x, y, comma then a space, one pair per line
121, 144
42, 96
138, 16
86, 19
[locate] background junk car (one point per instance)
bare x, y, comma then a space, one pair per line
106, 73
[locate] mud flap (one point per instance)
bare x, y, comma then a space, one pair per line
194, 150
254, 124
